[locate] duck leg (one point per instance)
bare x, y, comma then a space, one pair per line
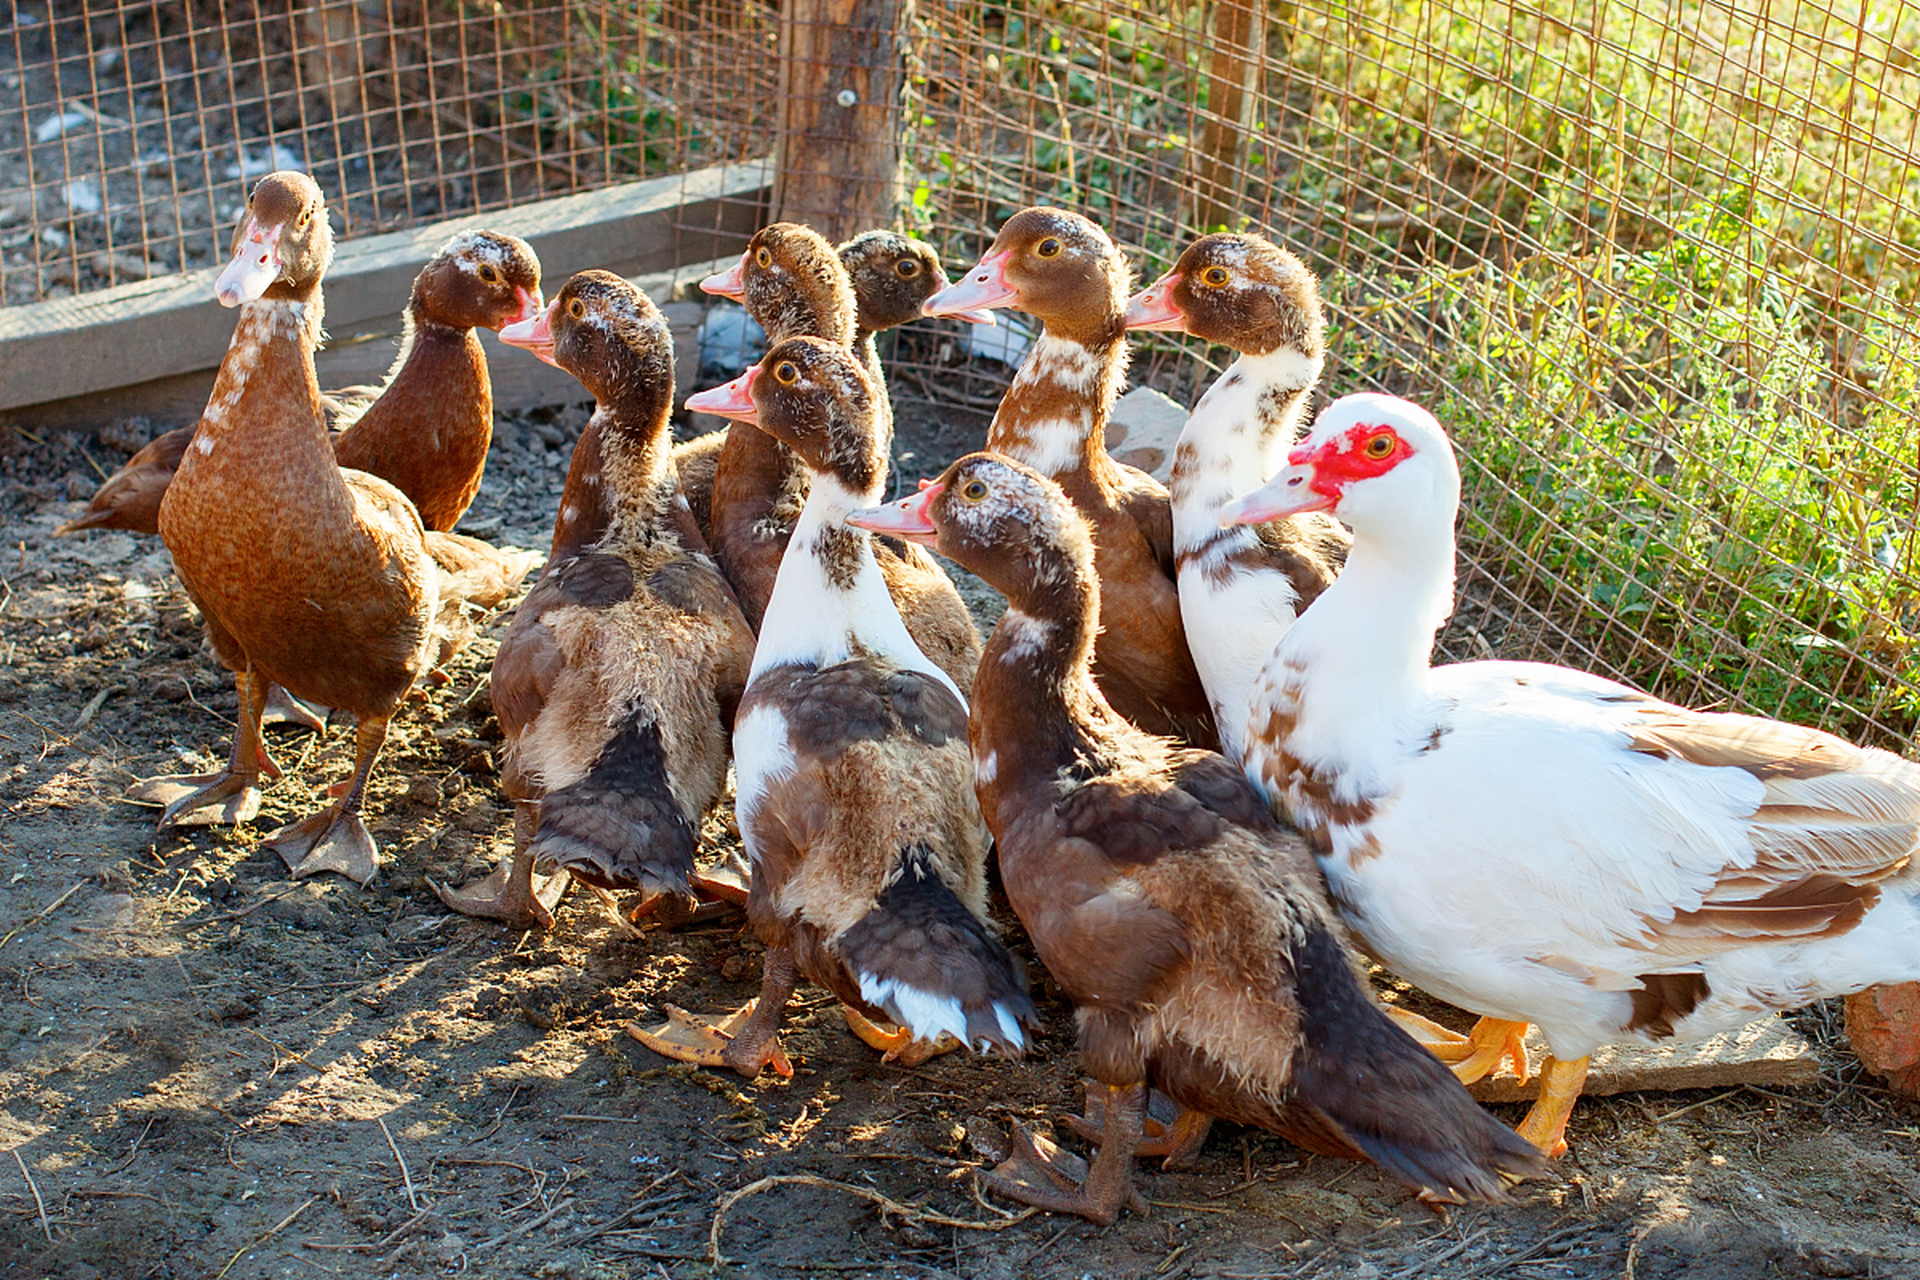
1546, 1124
283, 708
1491, 1042
189, 799
746, 1039
1173, 1141
335, 839
1036, 1178
511, 894
897, 1045
1443, 1043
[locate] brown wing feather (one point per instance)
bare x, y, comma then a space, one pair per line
530, 659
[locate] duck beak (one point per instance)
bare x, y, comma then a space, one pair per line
1290, 493
534, 333
906, 518
1153, 307
530, 305
731, 283
977, 316
729, 399
982, 289
256, 265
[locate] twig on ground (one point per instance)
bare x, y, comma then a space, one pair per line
245, 911
886, 1203
46, 1228
42, 914
1695, 1106
255, 1243
406, 1175
541, 1221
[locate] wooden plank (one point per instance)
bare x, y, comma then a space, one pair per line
1768, 1053
519, 381
158, 329
1239, 37
842, 72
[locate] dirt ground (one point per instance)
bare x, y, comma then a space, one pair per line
208, 1071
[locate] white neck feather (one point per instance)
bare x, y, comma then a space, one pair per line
811, 619
1228, 449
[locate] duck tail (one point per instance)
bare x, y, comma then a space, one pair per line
1361, 1077
932, 966
475, 578
618, 826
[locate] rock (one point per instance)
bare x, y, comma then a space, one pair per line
1884, 1025
1143, 430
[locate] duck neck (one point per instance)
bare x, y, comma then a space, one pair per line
1354, 665
867, 351
430, 349
636, 466
1054, 416
754, 477
267, 369
1239, 432
830, 601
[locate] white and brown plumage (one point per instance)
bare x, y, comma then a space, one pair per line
1242, 586
855, 792
1186, 923
792, 283
1539, 845
308, 576
1062, 268
617, 681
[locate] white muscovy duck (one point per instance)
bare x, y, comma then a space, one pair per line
1540, 845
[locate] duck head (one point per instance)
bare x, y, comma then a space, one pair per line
893, 276
283, 243
1050, 263
607, 334
1379, 463
480, 280
791, 282
1242, 291
815, 398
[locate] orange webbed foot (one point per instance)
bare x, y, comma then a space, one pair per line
1491, 1042
726, 1042
897, 1045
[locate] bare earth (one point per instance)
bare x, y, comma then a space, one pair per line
209, 1071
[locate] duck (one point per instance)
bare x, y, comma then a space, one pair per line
855, 785
317, 579
1241, 587
792, 283
427, 432
1061, 268
1539, 845
617, 681
1185, 922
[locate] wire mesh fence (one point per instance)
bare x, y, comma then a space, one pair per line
1655, 265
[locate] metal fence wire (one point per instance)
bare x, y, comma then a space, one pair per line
1653, 264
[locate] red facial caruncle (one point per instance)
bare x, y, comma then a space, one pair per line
1361, 452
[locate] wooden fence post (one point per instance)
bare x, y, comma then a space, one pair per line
1233, 93
842, 76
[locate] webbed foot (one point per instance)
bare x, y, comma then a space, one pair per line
331, 840
283, 708
728, 1042
1039, 1173
1169, 1132
521, 901
1491, 1042
897, 1045
201, 799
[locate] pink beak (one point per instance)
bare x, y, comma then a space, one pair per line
253, 269
906, 518
731, 283
530, 305
1289, 493
1153, 307
978, 316
729, 399
983, 288
534, 333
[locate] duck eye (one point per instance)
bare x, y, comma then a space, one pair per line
975, 491
489, 275
577, 309
762, 258
786, 373
1048, 248
907, 268
1378, 447
1215, 276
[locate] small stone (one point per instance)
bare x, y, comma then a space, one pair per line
1884, 1025
423, 791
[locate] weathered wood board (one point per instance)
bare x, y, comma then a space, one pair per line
1765, 1053
81, 361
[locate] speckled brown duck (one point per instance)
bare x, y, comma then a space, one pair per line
855, 787
617, 681
1062, 269
1189, 927
1242, 587
308, 576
